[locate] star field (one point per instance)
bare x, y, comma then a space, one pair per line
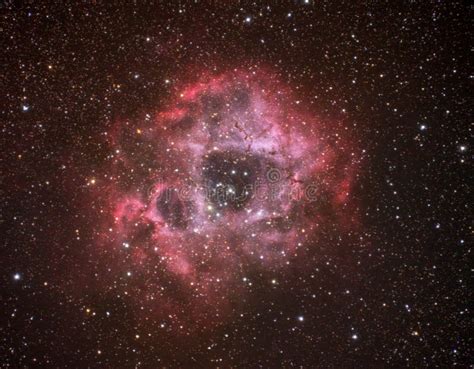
236, 185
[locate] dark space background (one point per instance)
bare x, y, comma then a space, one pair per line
399, 72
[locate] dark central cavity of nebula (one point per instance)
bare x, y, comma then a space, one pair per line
234, 174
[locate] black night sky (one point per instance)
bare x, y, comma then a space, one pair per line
108, 107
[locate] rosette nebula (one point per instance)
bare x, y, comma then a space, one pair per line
230, 176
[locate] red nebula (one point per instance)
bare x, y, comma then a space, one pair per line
233, 175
